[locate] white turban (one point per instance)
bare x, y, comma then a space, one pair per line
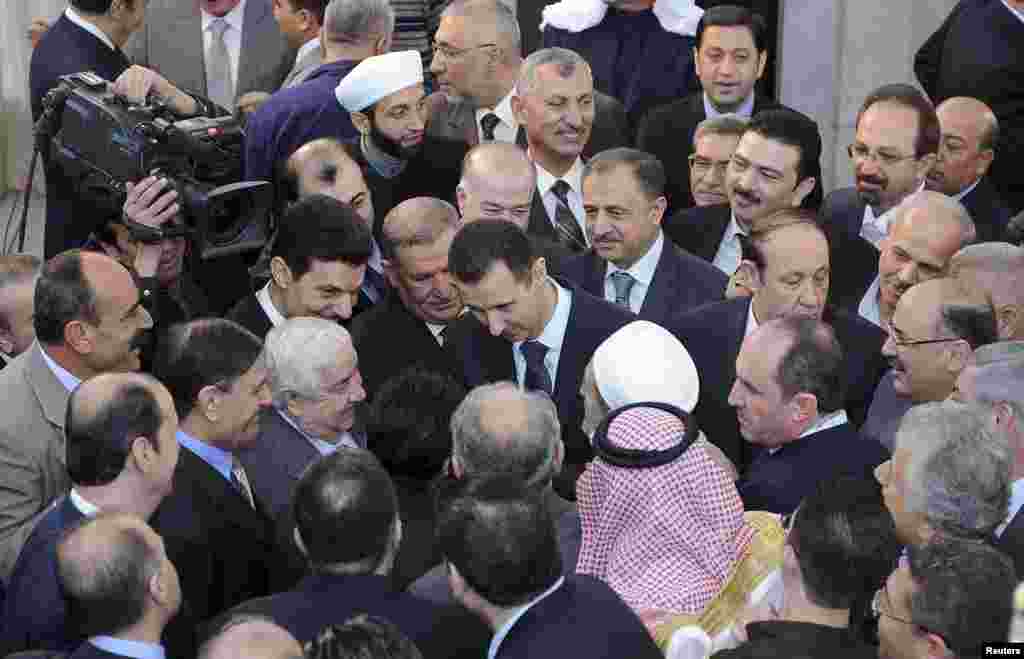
377, 77
643, 362
678, 16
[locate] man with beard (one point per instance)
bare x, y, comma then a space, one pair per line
386, 102
894, 149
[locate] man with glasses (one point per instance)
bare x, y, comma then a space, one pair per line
713, 144
895, 147
951, 598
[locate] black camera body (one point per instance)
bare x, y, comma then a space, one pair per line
101, 141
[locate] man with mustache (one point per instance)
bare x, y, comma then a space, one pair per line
630, 263
385, 99
895, 147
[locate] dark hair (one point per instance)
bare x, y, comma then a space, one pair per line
799, 131
963, 592
734, 16
646, 168
929, 133
97, 7
316, 7
845, 541
752, 246
501, 539
321, 227
201, 353
99, 440
409, 422
62, 294
105, 590
345, 508
362, 637
974, 324
479, 245
813, 364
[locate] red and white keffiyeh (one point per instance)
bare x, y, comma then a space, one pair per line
664, 538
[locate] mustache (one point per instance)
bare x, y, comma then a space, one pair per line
873, 180
747, 195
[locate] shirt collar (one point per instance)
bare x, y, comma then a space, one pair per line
503, 110
574, 177
69, 381
1016, 503
518, 613
77, 19
235, 17
126, 648
869, 308
435, 330
85, 507
307, 48
733, 228
323, 447
643, 270
752, 323
968, 190
267, 304
554, 331
874, 229
219, 459
826, 422
746, 108
1016, 12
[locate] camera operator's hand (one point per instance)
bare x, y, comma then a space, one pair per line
149, 204
249, 102
36, 30
137, 82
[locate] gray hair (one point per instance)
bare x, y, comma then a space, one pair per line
733, 125
566, 60
958, 471
490, 444
296, 352
936, 201
357, 21
504, 15
998, 382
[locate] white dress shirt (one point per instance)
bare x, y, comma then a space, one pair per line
746, 108
874, 229
1016, 12
574, 177
552, 337
825, 422
869, 308
267, 304
1016, 503
752, 323
69, 381
503, 631
435, 331
87, 508
232, 36
508, 128
77, 19
642, 272
729, 253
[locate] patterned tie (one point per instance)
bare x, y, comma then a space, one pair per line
374, 285
570, 233
537, 376
241, 482
219, 86
623, 283
488, 123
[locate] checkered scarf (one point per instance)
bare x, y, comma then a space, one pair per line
664, 538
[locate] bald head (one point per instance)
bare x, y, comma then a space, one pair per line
969, 135
498, 182
995, 272
492, 21
251, 637
417, 221
947, 216
322, 166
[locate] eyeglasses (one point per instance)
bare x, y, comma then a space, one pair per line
454, 53
919, 342
877, 611
701, 166
885, 158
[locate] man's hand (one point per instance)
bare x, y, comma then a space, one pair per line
137, 82
148, 204
36, 30
250, 102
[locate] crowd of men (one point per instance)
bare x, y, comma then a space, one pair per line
559, 345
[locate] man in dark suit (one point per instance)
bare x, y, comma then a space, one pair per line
125, 466
349, 530
410, 328
788, 396
730, 57
630, 263
500, 430
895, 146
951, 63
300, 22
476, 63
503, 565
121, 587
18, 274
526, 327
317, 266
970, 132
787, 268
218, 534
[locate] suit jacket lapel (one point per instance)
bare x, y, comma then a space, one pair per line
570, 362
659, 294
234, 510
594, 270
49, 391
714, 230
540, 224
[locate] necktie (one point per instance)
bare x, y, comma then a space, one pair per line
536, 376
374, 285
219, 85
241, 482
623, 284
488, 123
443, 335
570, 233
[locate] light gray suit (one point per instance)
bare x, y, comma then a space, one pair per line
171, 43
303, 67
32, 459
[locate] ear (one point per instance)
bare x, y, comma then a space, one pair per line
805, 407
985, 158
142, 453
361, 121
79, 337
748, 276
539, 271
209, 402
518, 109
658, 210
1007, 317
280, 272
6, 342
803, 188
390, 272
158, 588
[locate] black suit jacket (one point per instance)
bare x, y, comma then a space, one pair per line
782, 638
667, 132
842, 211
699, 230
681, 281
713, 335
987, 210
1011, 542
225, 550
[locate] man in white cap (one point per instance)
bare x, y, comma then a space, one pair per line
387, 105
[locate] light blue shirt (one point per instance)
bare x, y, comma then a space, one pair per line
219, 459
69, 381
125, 648
642, 272
552, 337
730, 252
322, 447
503, 631
868, 308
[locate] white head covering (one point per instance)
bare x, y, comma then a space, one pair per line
644, 362
377, 77
678, 16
